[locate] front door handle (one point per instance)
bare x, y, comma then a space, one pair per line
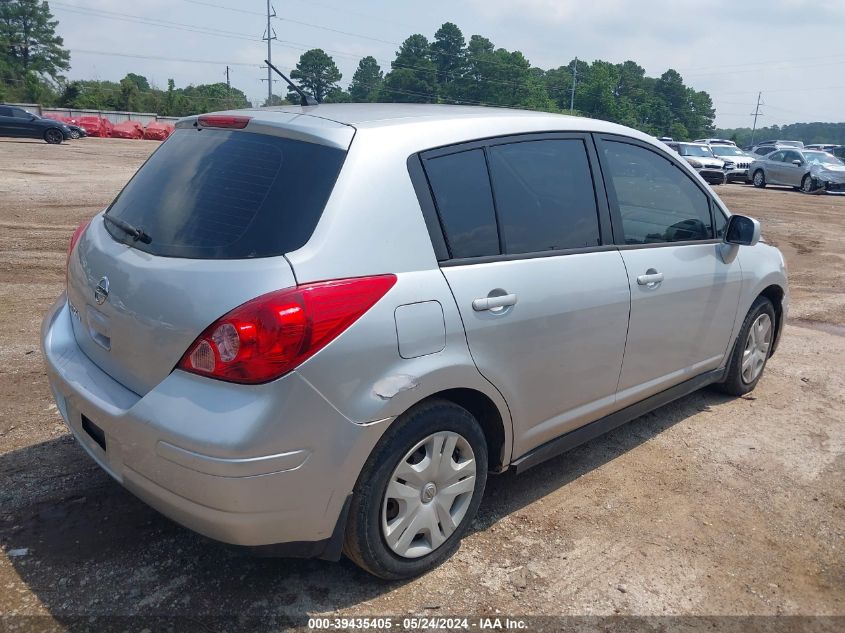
651, 278
493, 303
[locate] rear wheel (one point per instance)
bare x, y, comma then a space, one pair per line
418, 492
54, 136
759, 179
751, 350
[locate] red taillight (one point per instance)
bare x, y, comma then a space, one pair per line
230, 121
271, 335
73, 240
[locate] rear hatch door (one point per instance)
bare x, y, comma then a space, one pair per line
220, 208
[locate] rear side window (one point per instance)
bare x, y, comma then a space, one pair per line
658, 202
220, 194
544, 195
461, 189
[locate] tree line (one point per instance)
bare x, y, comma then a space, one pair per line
806, 132
448, 69
445, 69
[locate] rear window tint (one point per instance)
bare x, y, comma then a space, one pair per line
219, 194
461, 189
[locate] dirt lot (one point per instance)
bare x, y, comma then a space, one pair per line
711, 505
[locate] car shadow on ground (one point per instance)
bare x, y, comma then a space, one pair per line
93, 549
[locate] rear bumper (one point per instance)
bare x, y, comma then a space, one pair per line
248, 465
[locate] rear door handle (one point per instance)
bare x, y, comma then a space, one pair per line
492, 303
650, 279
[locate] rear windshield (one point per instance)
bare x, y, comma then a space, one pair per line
221, 194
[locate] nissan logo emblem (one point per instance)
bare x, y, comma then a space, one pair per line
101, 292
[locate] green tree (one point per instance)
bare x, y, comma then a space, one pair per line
277, 100
366, 81
414, 76
139, 80
30, 43
448, 52
316, 73
338, 96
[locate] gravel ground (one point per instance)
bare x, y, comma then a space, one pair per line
709, 506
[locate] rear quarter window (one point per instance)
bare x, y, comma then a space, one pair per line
461, 188
221, 194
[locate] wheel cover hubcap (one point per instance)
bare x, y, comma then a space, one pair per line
756, 348
758, 178
428, 494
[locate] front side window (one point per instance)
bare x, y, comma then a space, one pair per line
544, 195
777, 157
791, 156
461, 188
657, 201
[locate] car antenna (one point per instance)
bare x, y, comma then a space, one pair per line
306, 99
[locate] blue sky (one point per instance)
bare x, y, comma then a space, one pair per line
790, 49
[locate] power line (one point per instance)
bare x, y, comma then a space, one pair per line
138, 19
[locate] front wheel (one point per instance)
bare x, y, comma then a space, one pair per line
751, 350
418, 492
759, 179
74, 134
54, 136
807, 185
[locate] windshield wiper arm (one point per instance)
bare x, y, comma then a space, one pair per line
137, 234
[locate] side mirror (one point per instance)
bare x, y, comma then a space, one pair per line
742, 230
797, 162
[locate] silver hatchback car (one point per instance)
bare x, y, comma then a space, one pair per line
316, 330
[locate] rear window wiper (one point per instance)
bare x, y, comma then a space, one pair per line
137, 233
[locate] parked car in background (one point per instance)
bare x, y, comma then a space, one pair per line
761, 150
702, 159
715, 141
839, 152
733, 155
807, 170
19, 123
311, 366
825, 147
76, 131
798, 144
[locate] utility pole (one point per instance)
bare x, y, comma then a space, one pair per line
756, 114
270, 35
574, 79
228, 89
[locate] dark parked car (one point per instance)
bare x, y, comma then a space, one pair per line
17, 122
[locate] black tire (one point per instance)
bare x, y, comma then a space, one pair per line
54, 136
807, 185
364, 543
760, 182
734, 383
